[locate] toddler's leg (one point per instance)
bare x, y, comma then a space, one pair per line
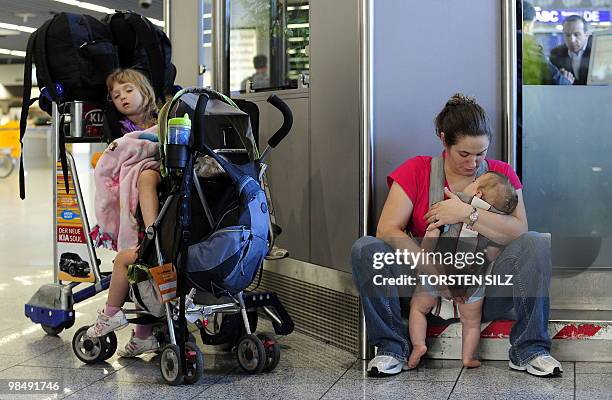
470, 336
119, 285
143, 331
147, 195
112, 318
420, 305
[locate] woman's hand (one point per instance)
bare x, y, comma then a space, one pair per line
447, 212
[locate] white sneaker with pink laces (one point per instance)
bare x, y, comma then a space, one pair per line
137, 346
105, 324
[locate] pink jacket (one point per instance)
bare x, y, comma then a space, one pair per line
116, 201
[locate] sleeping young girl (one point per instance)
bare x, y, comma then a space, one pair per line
127, 176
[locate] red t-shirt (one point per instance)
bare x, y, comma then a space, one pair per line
413, 177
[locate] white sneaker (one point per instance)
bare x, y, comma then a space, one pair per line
386, 366
137, 346
544, 365
105, 324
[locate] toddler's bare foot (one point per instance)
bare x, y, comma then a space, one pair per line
471, 363
415, 355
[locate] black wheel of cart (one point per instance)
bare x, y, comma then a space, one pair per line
51, 330
89, 350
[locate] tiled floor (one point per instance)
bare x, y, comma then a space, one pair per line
308, 369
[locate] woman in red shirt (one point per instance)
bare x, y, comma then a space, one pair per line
462, 127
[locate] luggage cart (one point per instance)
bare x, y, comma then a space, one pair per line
74, 257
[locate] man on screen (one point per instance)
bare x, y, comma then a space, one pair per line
572, 57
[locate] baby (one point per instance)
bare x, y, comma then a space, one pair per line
495, 189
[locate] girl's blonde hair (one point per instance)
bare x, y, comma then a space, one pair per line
142, 84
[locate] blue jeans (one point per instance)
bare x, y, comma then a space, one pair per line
527, 259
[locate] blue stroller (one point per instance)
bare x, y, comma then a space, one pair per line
213, 233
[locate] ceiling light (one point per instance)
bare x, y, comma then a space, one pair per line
101, 9
20, 28
16, 53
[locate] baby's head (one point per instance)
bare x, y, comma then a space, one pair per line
495, 189
132, 93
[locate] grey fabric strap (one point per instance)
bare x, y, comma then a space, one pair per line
437, 178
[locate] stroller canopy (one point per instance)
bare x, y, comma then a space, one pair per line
227, 126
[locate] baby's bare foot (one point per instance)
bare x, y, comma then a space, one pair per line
471, 363
415, 355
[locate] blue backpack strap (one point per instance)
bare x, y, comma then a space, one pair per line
232, 171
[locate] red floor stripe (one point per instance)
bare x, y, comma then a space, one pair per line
577, 331
497, 330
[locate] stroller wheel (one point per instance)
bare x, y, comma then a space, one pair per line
110, 343
251, 354
195, 363
89, 350
170, 365
272, 351
53, 331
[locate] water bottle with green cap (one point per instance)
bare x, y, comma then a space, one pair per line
179, 130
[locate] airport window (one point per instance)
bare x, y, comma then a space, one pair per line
565, 72
268, 44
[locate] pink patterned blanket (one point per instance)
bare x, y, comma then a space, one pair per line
116, 200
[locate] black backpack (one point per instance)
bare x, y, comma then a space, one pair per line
143, 46
75, 51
